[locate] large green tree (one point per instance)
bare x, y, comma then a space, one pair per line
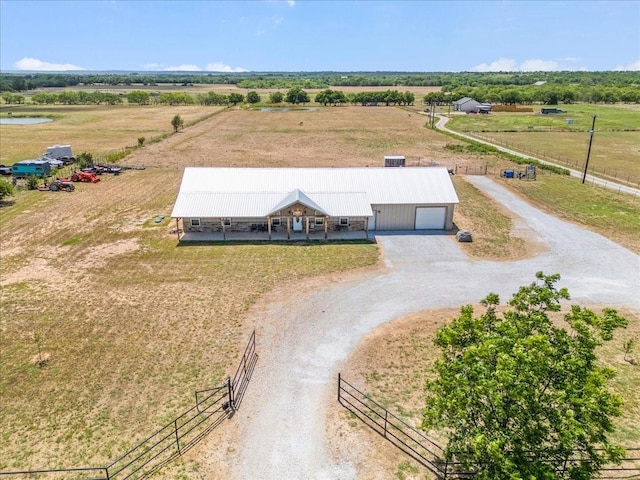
139, 97
276, 97
253, 97
521, 394
296, 95
235, 98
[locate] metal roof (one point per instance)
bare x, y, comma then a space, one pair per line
258, 192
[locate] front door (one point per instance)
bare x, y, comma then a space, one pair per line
297, 224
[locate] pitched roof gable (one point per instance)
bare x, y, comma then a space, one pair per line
297, 196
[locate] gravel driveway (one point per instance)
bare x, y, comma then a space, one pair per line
303, 340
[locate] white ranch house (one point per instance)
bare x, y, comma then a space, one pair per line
295, 203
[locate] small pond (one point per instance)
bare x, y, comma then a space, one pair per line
286, 109
24, 120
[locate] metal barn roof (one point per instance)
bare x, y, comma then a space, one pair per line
258, 192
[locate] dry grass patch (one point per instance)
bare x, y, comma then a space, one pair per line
133, 324
328, 137
96, 129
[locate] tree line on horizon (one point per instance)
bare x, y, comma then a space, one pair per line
21, 82
547, 94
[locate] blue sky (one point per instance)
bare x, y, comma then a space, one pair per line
314, 35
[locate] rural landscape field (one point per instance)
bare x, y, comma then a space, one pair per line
131, 323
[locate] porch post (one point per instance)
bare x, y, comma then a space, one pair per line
307, 228
269, 226
288, 228
326, 226
224, 230
366, 227
177, 227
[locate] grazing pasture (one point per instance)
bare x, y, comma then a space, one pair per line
614, 152
131, 323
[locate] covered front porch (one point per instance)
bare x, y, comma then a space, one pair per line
279, 236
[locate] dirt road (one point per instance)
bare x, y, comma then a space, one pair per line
304, 339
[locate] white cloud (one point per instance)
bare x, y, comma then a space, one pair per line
537, 65
221, 67
153, 66
277, 21
35, 64
632, 67
500, 65
291, 3
183, 68
530, 65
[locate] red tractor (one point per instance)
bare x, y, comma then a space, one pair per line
84, 177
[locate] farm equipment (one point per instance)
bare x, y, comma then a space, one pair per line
100, 169
57, 186
529, 173
86, 177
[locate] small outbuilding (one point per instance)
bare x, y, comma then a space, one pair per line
312, 202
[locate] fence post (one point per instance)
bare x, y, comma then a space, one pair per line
175, 424
106, 471
230, 394
386, 415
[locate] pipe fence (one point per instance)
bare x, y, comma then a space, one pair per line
212, 407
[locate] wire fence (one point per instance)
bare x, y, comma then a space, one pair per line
617, 176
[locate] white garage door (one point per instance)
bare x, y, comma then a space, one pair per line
430, 218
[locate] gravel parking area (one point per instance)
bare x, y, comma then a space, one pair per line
302, 341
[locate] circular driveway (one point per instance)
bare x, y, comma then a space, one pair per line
303, 340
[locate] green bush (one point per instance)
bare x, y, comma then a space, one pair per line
6, 189
32, 182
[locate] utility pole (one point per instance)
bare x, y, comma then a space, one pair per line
586, 163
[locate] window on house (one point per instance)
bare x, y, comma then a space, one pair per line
195, 222
227, 221
275, 222
344, 222
319, 221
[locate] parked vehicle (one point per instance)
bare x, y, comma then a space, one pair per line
6, 171
39, 168
61, 152
57, 186
53, 162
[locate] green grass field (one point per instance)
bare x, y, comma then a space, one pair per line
614, 152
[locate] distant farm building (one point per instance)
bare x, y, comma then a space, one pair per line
295, 203
469, 105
